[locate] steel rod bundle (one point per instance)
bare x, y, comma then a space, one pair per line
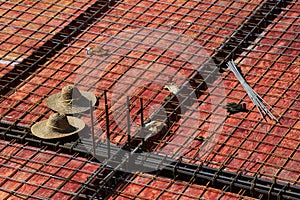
256, 99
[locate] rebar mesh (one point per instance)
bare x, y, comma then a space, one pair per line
270, 66
26, 25
145, 186
28, 172
161, 40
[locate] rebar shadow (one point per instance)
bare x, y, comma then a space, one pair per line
39, 57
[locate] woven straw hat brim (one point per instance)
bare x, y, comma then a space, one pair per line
41, 130
65, 108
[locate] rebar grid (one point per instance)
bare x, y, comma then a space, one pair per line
26, 25
29, 172
240, 129
144, 186
110, 28
63, 37
272, 147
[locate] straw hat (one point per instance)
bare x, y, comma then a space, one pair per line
57, 126
71, 100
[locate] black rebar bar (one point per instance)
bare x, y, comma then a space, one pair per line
92, 128
204, 175
217, 178
236, 44
128, 120
107, 124
248, 32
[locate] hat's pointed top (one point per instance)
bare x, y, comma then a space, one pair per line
71, 100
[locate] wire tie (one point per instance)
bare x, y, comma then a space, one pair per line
213, 181
176, 166
234, 180
283, 189
253, 185
271, 188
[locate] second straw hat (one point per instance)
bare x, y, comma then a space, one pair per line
71, 100
57, 126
